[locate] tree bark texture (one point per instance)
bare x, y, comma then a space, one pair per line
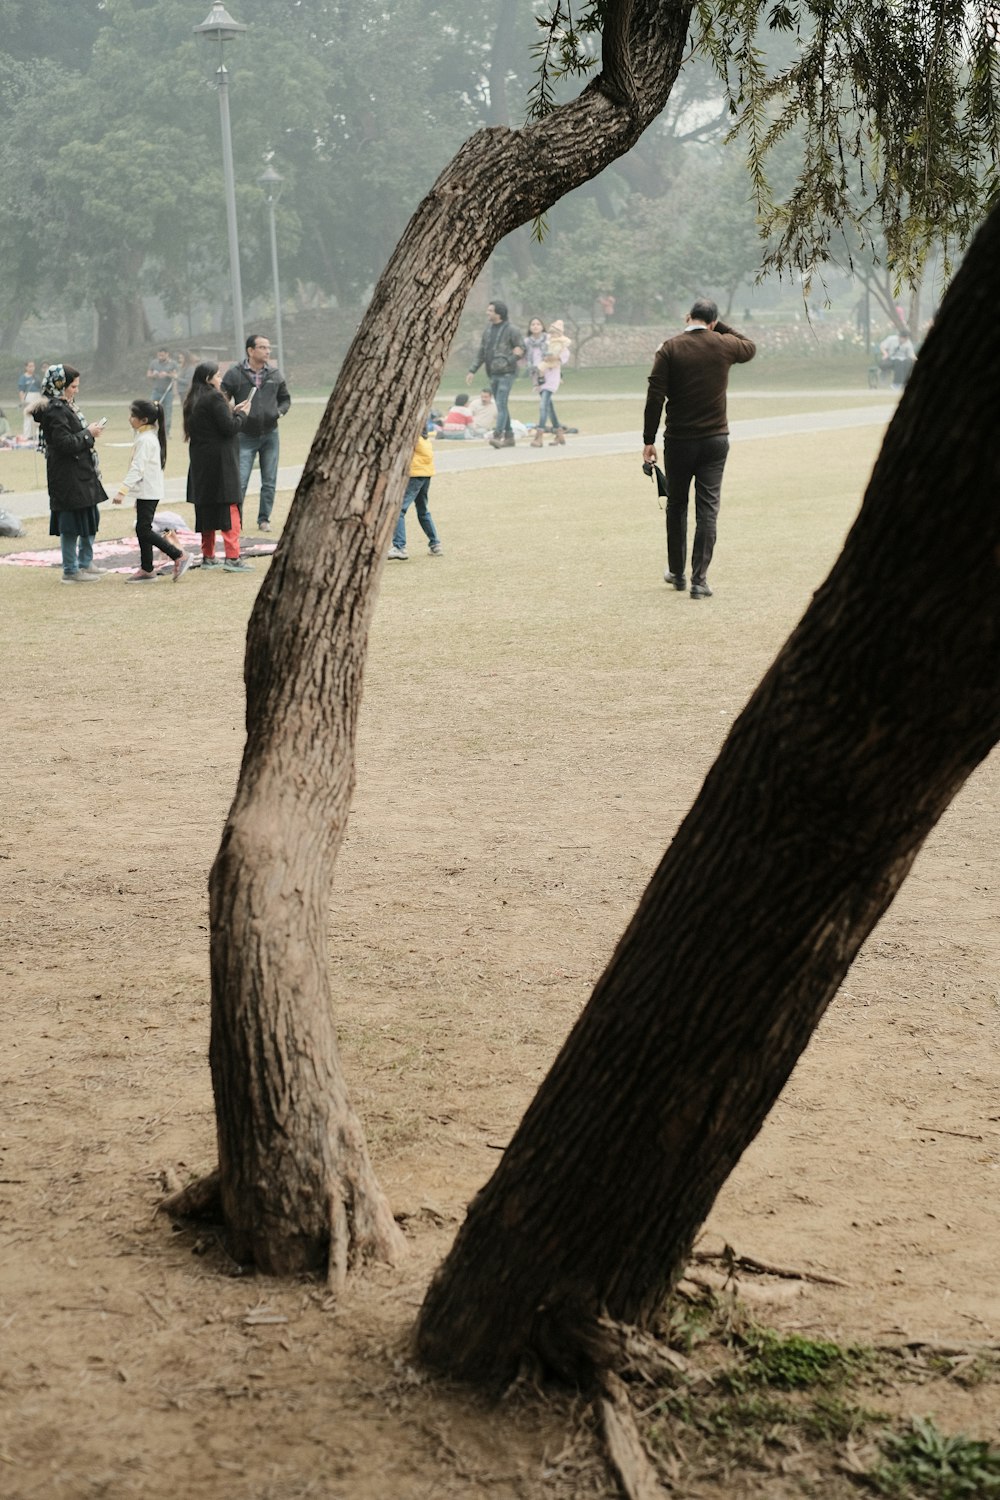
296, 1184
879, 706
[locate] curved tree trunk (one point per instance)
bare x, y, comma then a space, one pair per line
881, 703
296, 1185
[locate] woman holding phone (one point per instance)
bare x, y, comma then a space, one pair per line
72, 472
211, 426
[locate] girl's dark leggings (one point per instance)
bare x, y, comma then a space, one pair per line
145, 510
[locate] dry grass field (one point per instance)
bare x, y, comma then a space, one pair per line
539, 713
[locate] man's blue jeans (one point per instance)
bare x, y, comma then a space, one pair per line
500, 386
267, 447
417, 488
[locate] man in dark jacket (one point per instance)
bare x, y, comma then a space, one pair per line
500, 348
690, 374
260, 431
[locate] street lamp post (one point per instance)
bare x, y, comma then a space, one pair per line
270, 183
220, 27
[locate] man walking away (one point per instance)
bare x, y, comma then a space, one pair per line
259, 434
500, 348
163, 373
690, 376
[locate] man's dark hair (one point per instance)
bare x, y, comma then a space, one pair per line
500, 308
252, 340
704, 311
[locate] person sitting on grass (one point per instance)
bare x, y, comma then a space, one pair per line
458, 419
484, 414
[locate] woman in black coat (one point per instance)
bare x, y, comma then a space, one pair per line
211, 425
71, 470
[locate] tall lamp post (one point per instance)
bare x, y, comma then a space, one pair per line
270, 183
220, 27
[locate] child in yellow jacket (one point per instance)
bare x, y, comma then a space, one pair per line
417, 488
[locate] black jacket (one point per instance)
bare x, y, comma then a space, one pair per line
496, 350
271, 401
73, 478
213, 483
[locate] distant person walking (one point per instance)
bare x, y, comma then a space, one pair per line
72, 472
163, 373
416, 492
144, 482
500, 348
899, 355
555, 355
259, 434
211, 426
28, 390
690, 376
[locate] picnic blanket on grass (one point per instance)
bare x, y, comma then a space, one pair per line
122, 556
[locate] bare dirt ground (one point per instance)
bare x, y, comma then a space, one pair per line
534, 729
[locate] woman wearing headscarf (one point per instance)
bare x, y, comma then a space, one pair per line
211, 424
72, 472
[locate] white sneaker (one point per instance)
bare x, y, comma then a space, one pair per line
436, 549
399, 552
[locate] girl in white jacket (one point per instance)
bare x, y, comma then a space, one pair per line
144, 481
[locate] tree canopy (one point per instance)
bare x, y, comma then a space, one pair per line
890, 107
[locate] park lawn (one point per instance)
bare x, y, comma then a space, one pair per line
539, 712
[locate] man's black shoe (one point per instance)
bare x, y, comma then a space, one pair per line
677, 579
700, 591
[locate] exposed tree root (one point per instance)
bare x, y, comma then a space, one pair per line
201, 1199
625, 1447
640, 1354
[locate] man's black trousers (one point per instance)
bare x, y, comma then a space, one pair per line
703, 460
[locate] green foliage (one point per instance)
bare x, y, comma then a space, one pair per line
899, 105
563, 51
926, 1462
829, 1418
791, 1363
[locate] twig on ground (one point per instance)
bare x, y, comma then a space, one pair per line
945, 1347
729, 1258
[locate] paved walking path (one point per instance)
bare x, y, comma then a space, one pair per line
453, 458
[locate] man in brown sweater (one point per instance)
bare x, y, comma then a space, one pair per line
690, 375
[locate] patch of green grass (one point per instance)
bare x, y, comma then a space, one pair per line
790, 1364
686, 1324
833, 1418
922, 1461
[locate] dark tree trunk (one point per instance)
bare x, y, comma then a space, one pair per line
881, 703
296, 1185
122, 327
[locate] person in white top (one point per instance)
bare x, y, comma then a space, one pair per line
144, 481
